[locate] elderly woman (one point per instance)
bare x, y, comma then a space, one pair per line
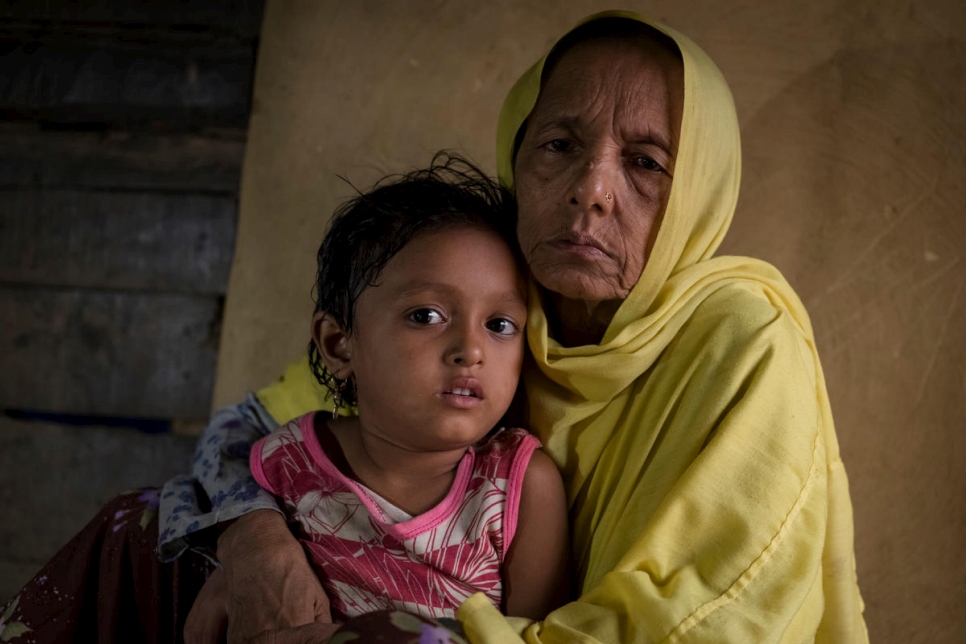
680, 394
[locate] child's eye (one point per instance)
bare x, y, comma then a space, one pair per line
501, 326
426, 316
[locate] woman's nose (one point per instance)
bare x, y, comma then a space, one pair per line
593, 186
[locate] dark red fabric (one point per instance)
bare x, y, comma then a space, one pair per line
107, 584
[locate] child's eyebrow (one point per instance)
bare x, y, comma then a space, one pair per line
416, 288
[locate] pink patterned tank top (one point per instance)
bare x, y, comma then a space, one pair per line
367, 558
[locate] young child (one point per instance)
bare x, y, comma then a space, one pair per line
420, 499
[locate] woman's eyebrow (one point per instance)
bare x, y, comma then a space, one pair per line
651, 138
569, 123
572, 125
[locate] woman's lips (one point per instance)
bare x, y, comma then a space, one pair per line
578, 244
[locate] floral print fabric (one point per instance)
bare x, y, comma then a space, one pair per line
221, 486
398, 627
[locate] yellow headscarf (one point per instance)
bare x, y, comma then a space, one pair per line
708, 500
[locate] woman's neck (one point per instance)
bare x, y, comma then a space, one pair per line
575, 323
414, 481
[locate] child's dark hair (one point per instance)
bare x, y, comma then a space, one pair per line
367, 231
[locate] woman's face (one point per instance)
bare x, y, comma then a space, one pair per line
593, 172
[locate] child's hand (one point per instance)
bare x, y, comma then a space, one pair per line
269, 581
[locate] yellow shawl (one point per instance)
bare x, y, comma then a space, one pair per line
708, 500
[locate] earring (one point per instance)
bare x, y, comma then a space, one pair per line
337, 391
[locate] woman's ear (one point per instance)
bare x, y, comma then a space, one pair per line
333, 345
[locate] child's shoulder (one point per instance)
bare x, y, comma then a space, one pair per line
293, 435
507, 439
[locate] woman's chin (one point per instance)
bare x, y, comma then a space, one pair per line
568, 283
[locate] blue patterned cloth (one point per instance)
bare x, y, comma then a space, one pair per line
221, 486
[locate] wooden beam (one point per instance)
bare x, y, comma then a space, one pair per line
96, 352
119, 84
241, 17
133, 160
145, 241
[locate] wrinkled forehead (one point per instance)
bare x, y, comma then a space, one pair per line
620, 32
607, 41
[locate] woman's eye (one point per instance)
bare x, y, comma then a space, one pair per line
426, 316
647, 163
501, 326
559, 145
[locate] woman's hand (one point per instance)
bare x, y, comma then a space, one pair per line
269, 582
387, 626
207, 620
308, 634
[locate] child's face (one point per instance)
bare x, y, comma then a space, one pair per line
437, 346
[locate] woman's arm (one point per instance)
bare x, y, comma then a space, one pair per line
221, 487
270, 583
536, 572
266, 582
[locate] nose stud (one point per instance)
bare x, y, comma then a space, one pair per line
608, 197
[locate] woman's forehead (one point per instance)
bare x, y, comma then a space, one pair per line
636, 79
608, 31
616, 55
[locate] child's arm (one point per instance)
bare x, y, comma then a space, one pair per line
537, 567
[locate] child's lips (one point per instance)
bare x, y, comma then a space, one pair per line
463, 393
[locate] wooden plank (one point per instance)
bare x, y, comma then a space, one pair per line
118, 84
55, 478
242, 17
117, 240
104, 353
142, 161
149, 37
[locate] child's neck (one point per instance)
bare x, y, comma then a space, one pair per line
414, 481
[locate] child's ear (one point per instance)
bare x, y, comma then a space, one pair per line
333, 345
